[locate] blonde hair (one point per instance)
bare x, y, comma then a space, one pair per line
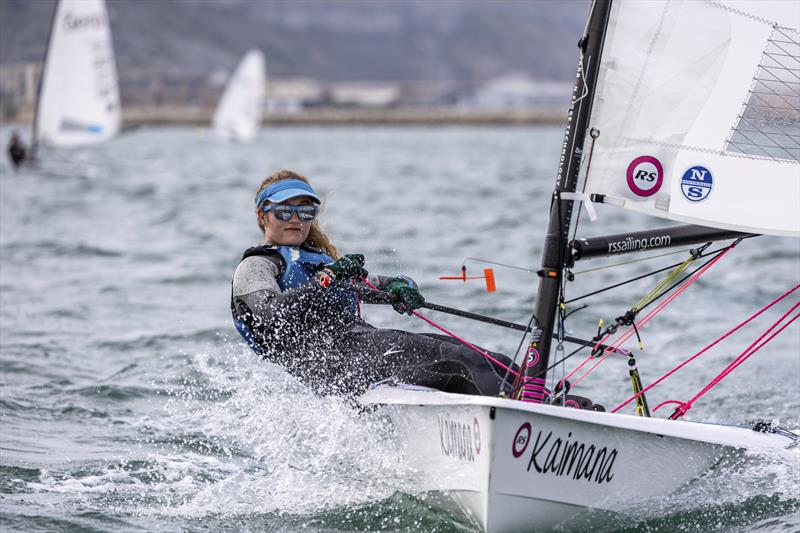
316, 236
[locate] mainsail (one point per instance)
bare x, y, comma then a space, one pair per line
79, 96
238, 115
696, 115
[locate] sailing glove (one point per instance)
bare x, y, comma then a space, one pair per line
350, 266
405, 295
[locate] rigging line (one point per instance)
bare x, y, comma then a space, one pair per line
560, 361
708, 347
593, 133
629, 332
476, 259
589, 358
451, 334
750, 351
741, 358
627, 335
719, 253
521, 342
637, 278
659, 289
633, 261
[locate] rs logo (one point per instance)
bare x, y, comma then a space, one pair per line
645, 175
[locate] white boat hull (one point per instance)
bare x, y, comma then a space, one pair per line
514, 466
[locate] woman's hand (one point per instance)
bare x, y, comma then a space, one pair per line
406, 296
349, 267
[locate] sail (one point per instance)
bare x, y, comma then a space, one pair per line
79, 96
696, 115
238, 114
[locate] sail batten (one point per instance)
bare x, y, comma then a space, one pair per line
698, 109
79, 97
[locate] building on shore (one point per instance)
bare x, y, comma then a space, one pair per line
186, 98
518, 91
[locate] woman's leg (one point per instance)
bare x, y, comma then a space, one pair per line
429, 360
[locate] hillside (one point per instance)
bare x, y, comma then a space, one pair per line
342, 40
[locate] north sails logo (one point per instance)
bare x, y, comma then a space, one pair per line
696, 183
569, 458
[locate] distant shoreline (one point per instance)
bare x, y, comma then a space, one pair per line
134, 117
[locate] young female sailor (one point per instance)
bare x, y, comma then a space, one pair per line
295, 301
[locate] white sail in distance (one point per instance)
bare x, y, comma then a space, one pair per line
79, 95
697, 113
238, 114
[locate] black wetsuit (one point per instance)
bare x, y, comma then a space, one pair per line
17, 152
316, 336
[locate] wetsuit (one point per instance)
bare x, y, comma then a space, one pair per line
16, 152
317, 335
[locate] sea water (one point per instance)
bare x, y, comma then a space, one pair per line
130, 404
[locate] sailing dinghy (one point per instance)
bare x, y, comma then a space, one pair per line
238, 114
686, 104
78, 101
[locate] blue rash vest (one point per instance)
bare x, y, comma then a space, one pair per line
299, 268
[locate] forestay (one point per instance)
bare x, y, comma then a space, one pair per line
697, 113
238, 115
79, 95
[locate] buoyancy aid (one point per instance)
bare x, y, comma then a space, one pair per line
299, 266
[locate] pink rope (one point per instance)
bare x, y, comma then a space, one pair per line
453, 335
741, 358
704, 350
589, 358
631, 331
662, 404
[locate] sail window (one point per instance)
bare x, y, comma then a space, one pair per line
769, 124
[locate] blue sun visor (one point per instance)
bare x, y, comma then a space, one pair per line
286, 189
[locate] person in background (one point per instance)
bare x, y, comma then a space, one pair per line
16, 150
295, 300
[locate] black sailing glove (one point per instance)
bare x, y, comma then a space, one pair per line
350, 266
406, 296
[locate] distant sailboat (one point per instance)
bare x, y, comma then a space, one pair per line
78, 101
238, 114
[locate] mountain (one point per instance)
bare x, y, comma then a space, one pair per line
342, 40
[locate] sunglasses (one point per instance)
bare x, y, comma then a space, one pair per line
284, 212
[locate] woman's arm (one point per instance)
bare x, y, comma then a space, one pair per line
275, 317
368, 295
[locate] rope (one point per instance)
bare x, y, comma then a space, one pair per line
662, 404
451, 334
631, 262
637, 278
630, 331
704, 350
656, 291
519, 347
741, 358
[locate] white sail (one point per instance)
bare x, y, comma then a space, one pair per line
238, 114
79, 98
698, 112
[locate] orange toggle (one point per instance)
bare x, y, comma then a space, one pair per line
489, 275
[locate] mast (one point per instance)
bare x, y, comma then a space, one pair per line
555, 253
35, 129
